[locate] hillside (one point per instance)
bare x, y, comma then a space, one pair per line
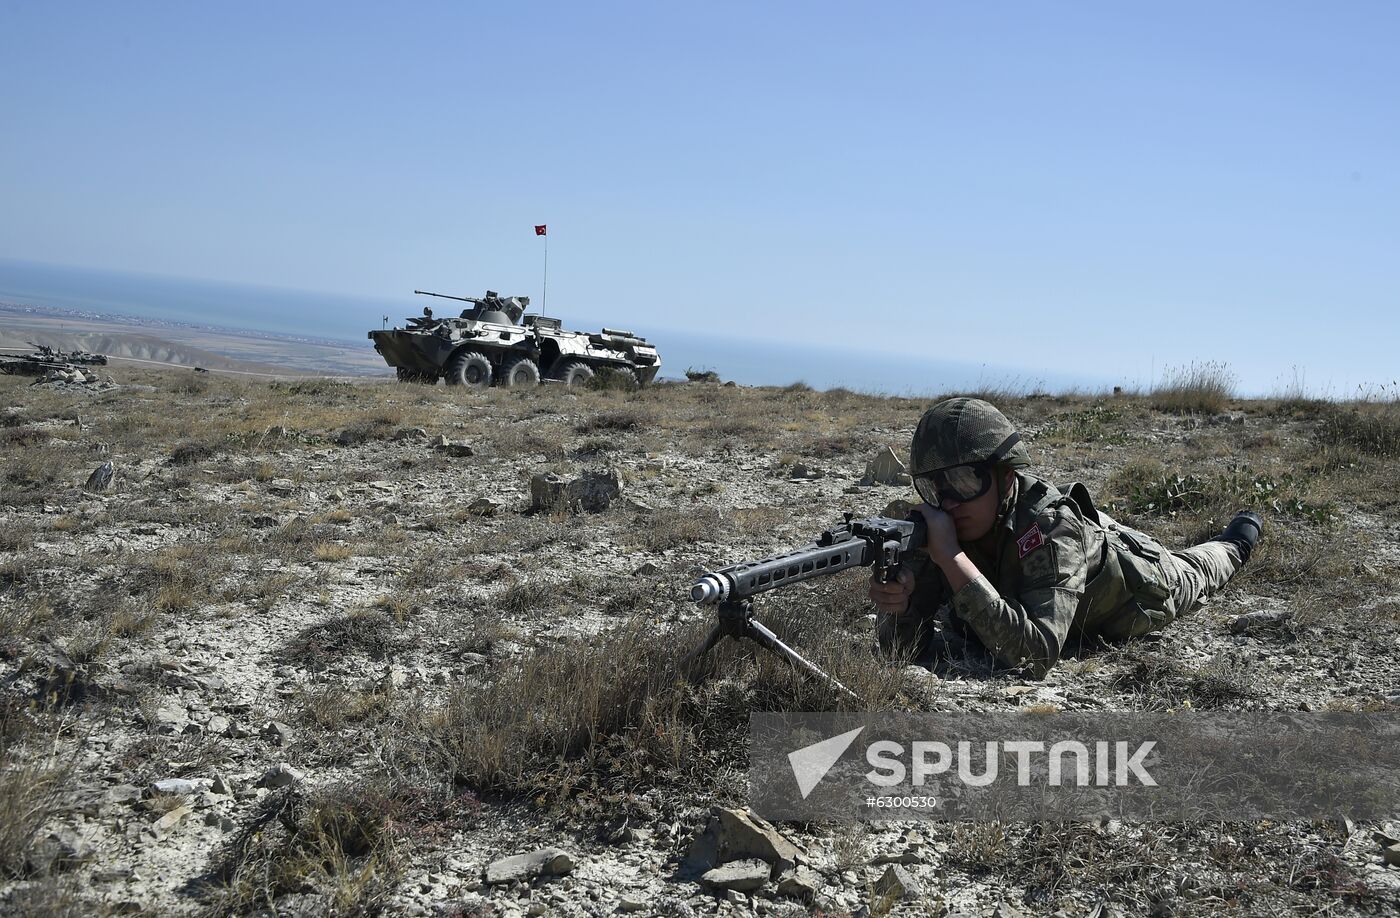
325, 616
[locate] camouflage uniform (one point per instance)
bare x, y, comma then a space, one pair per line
1057, 571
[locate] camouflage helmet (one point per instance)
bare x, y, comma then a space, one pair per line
959, 431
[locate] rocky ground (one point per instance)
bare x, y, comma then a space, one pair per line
320, 648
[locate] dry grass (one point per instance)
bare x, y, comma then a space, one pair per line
1199, 870
32, 780
1372, 428
373, 632
543, 716
341, 848
564, 726
1204, 388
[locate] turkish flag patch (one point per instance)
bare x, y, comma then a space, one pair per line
1030, 541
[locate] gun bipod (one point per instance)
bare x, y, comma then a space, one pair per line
737, 620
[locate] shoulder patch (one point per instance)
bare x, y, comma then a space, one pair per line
1030, 541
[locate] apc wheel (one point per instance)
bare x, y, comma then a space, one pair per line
469, 368
574, 373
520, 373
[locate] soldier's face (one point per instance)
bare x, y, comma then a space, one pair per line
975, 518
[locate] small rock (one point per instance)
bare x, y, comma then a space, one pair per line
546, 491
123, 793
648, 569
280, 775
898, 509
218, 725
58, 850
885, 468
183, 786
172, 819
741, 876
631, 904
101, 478
483, 506
452, 448
801, 883
410, 433
591, 493
1391, 854
169, 719
278, 731
220, 785
1254, 621
223, 823
550, 862
907, 856
897, 884
735, 835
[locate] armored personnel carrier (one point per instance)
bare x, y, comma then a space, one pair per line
494, 343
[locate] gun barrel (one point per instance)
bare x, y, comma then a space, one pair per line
446, 296
740, 581
709, 589
871, 542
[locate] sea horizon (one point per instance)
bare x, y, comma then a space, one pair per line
762, 359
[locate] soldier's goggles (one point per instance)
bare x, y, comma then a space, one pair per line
961, 483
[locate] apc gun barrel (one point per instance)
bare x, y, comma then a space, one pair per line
445, 296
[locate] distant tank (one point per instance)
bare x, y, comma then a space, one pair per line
46, 359
86, 358
495, 343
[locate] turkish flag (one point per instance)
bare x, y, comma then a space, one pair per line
539, 230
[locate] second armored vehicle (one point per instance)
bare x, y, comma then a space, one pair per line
45, 359
495, 343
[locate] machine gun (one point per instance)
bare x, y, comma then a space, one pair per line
876, 541
510, 308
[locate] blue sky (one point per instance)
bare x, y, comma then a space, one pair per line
1031, 185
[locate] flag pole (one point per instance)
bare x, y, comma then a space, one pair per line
544, 298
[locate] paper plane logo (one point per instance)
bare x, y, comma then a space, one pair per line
811, 763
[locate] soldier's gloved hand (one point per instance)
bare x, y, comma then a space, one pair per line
893, 598
942, 533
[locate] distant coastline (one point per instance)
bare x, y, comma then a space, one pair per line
119, 318
327, 332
